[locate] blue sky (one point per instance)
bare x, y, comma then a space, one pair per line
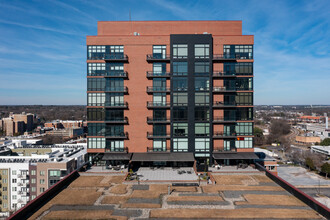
43, 52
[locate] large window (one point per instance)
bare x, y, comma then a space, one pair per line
244, 128
96, 129
159, 98
96, 69
159, 68
180, 113
239, 68
54, 173
202, 98
246, 142
180, 68
114, 130
202, 113
114, 99
180, 144
180, 83
202, 83
202, 144
159, 84
159, 145
202, 129
180, 51
202, 68
159, 114
159, 51
115, 145
95, 99
95, 114
244, 84
113, 115
159, 130
244, 114
115, 84
95, 52
96, 143
95, 84
202, 50
180, 129
238, 51
115, 67
244, 98
180, 98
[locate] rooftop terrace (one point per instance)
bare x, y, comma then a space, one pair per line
235, 196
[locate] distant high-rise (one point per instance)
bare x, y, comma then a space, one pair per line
175, 86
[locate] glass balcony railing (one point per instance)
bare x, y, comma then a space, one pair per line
108, 57
152, 120
158, 57
152, 104
158, 135
151, 74
157, 89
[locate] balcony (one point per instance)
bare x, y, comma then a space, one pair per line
117, 121
116, 105
158, 58
151, 135
116, 74
224, 104
151, 120
223, 74
221, 89
116, 149
122, 89
152, 74
152, 89
224, 135
153, 104
224, 120
231, 57
123, 135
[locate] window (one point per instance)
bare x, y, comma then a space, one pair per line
159, 68
238, 51
238, 68
159, 114
42, 189
229, 145
202, 129
116, 49
159, 130
95, 52
5, 197
96, 69
244, 114
114, 84
42, 181
115, 145
159, 51
4, 180
33, 180
202, 83
247, 142
202, 113
96, 129
180, 113
114, 115
202, 68
180, 83
95, 114
4, 172
159, 145
14, 189
202, 51
42, 173
202, 144
180, 129
52, 182
95, 99
159, 84
33, 172
96, 84
96, 143
244, 84
180, 144
180, 98
33, 189
14, 172
54, 173
180, 68
114, 99
244, 128
115, 67
33, 197
114, 130
14, 197
180, 51
202, 98
159, 98
244, 98
14, 180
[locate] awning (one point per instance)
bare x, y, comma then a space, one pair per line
235, 156
116, 156
158, 156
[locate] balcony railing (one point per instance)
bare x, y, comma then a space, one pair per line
151, 89
117, 120
223, 89
224, 135
115, 74
123, 135
180, 134
158, 58
153, 104
116, 104
123, 89
151, 135
224, 104
224, 74
116, 149
151, 74
224, 120
152, 149
109, 57
151, 120
231, 57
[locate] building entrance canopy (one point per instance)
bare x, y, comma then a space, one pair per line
235, 156
160, 157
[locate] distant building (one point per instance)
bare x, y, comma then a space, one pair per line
68, 132
17, 123
325, 150
308, 139
58, 124
315, 129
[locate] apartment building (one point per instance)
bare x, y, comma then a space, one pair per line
17, 123
23, 178
171, 86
